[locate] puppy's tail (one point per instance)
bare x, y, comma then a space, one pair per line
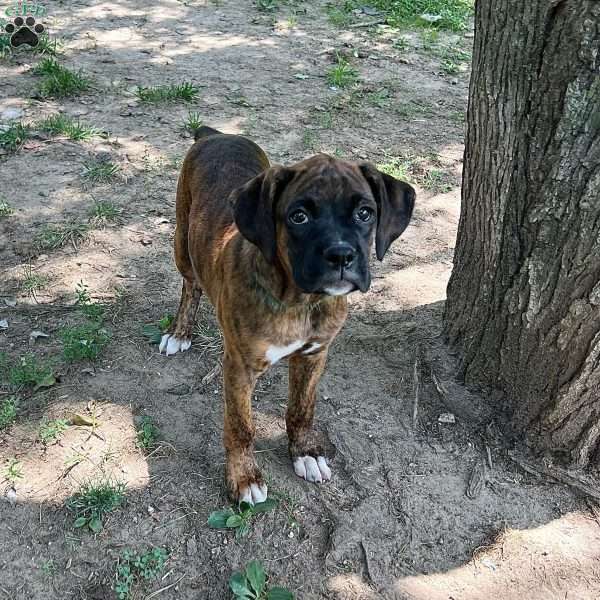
204, 131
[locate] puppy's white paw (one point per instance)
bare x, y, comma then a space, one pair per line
315, 470
254, 494
171, 344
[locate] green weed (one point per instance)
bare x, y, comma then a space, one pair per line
8, 412
449, 67
100, 171
48, 46
60, 82
154, 331
61, 124
14, 471
147, 434
94, 501
52, 431
32, 282
187, 92
342, 74
83, 342
57, 236
104, 210
193, 122
48, 568
14, 136
6, 210
397, 167
30, 371
440, 14
266, 5
131, 568
239, 519
252, 584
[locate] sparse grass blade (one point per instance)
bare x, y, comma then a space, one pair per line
440, 14
100, 171
104, 211
52, 431
61, 124
60, 82
193, 122
186, 92
8, 412
95, 500
342, 74
56, 236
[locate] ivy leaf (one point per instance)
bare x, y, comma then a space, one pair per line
279, 593
95, 524
266, 506
218, 518
256, 575
80, 522
239, 587
234, 521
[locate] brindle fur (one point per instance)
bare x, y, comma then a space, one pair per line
214, 258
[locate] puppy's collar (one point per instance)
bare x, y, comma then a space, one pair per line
275, 304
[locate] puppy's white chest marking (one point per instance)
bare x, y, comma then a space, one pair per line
276, 353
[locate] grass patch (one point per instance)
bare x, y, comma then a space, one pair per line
339, 16
29, 370
252, 583
8, 412
397, 167
239, 520
49, 46
193, 122
60, 82
133, 568
32, 282
13, 471
449, 67
6, 210
100, 171
94, 501
439, 14
52, 431
342, 74
266, 5
425, 171
83, 342
64, 125
186, 92
52, 237
14, 136
147, 434
104, 211
5, 45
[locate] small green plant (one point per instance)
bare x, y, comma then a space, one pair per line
436, 181
379, 98
5, 45
6, 210
154, 331
52, 431
342, 74
14, 136
187, 92
92, 310
48, 568
309, 139
83, 342
56, 236
131, 568
438, 14
60, 82
193, 122
49, 47
32, 282
402, 44
8, 412
147, 434
104, 211
397, 167
100, 171
252, 584
449, 67
429, 39
30, 371
14, 471
239, 519
266, 5
94, 501
61, 124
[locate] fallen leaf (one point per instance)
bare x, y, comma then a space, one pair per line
3, 324
77, 419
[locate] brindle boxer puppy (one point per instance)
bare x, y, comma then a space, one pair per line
276, 250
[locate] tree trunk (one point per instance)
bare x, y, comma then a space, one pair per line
524, 296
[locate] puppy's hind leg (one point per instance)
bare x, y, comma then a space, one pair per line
179, 336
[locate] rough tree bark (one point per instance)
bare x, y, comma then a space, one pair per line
524, 296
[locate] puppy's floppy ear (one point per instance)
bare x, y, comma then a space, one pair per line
395, 202
254, 208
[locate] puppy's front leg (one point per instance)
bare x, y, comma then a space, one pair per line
305, 451
244, 479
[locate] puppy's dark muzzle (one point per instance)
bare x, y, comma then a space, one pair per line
340, 256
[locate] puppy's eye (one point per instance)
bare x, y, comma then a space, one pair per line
298, 217
364, 214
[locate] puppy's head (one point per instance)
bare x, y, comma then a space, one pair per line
318, 219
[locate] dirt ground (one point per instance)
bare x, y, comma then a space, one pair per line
396, 520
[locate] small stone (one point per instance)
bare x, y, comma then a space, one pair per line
3, 324
448, 418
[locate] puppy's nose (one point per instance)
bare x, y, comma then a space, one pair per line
339, 255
